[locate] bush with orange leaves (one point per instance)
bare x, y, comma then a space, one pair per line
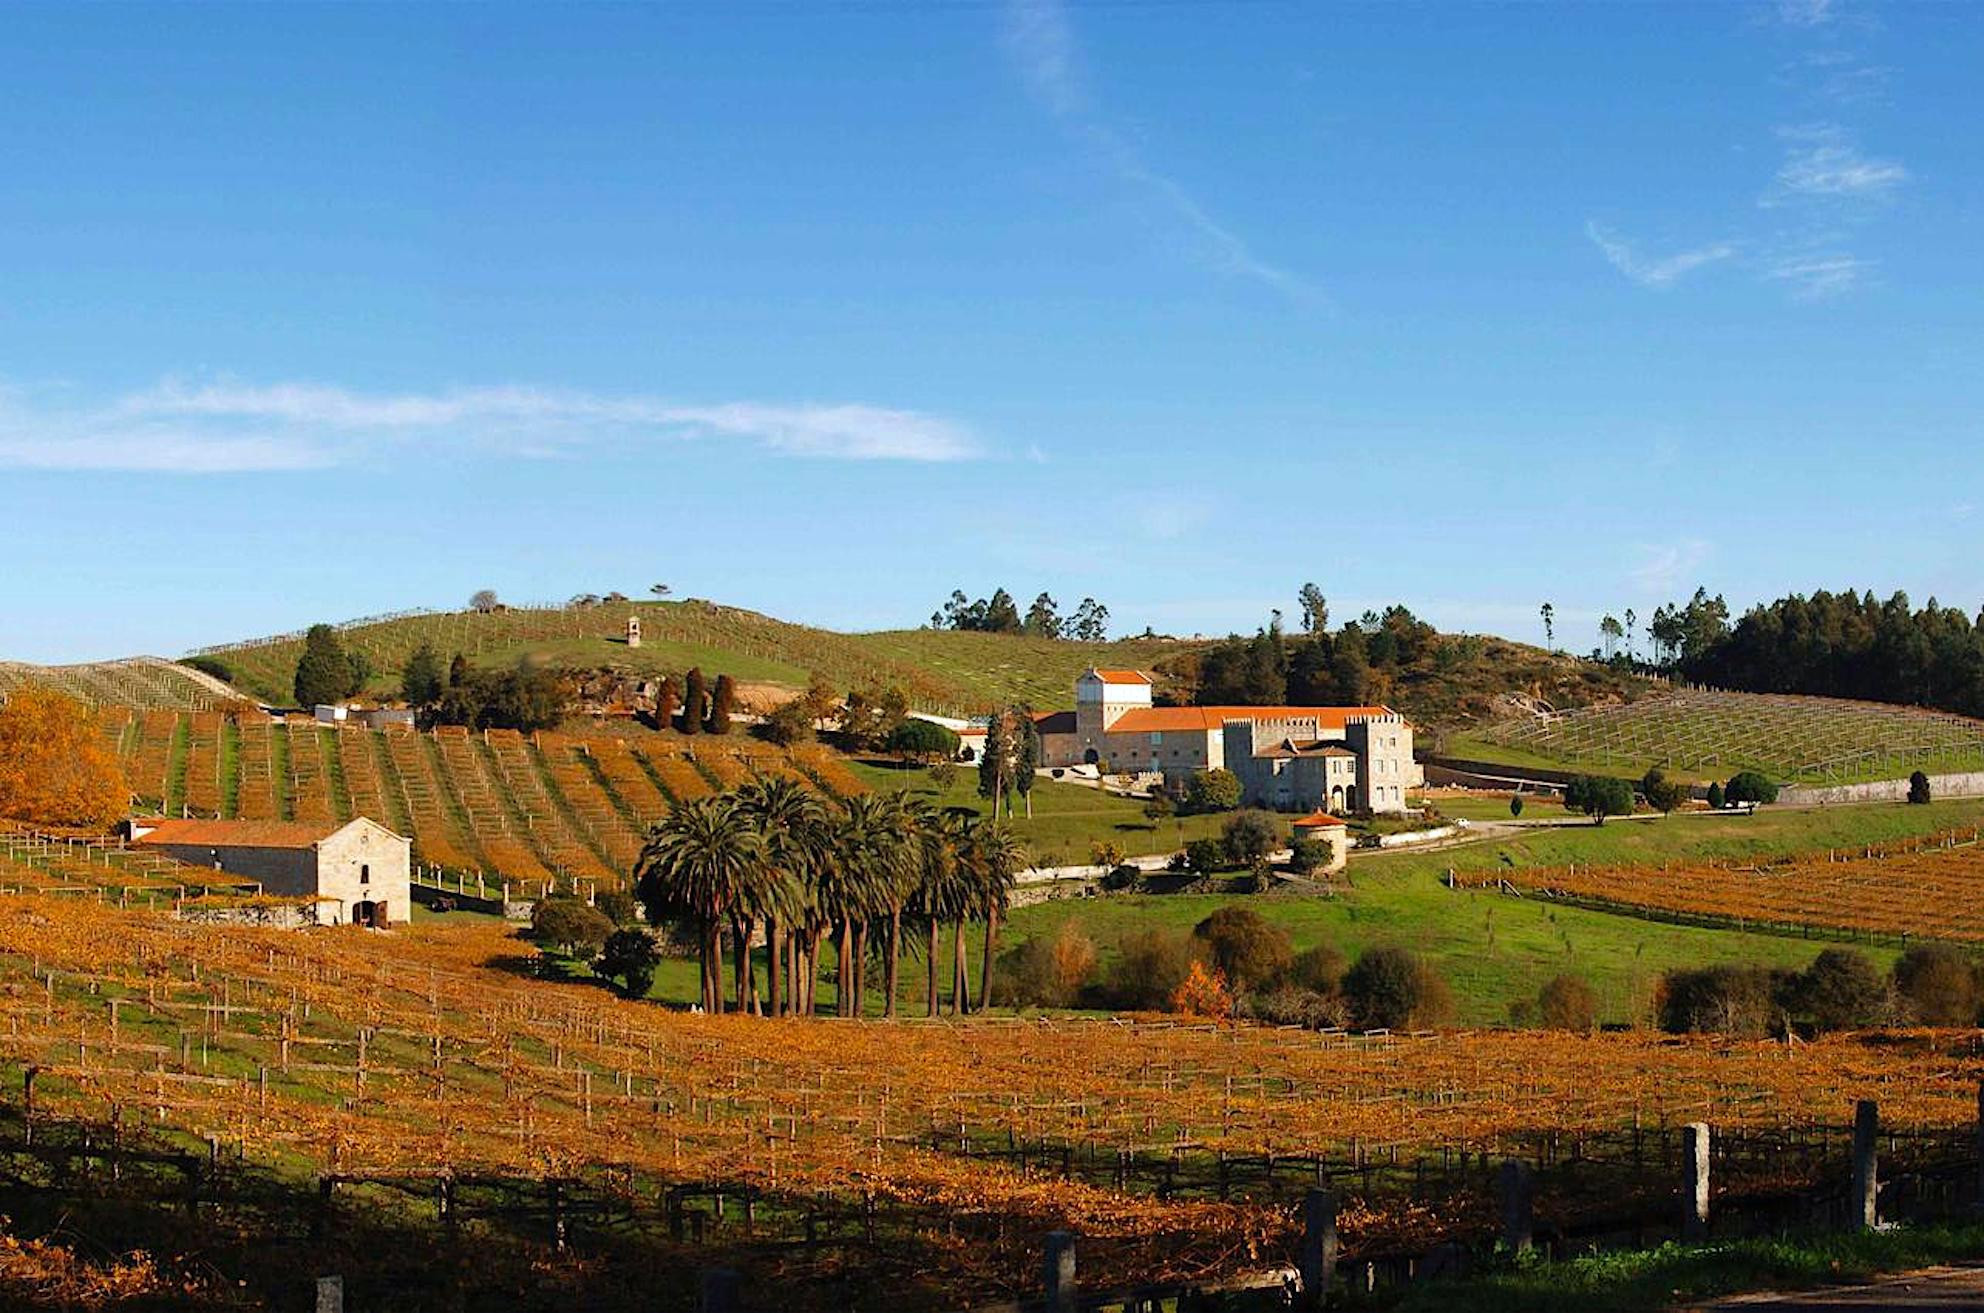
1204, 993
55, 767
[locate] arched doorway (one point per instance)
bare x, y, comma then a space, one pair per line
1350, 798
1336, 798
367, 913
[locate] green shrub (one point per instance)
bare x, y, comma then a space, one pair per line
630, 957
208, 665
1307, 856
1599, 796
569, 924
1318, 969
1250, 836
1212, 791
1241, 943
1661, 793
1843, 990
1937, 985
1293, 1006
1121, 878
1732, 1000
1515, 805
1567, 1002
1390, 988
1918, 788
1045, 972
923, 740
617, 906
1150, 966
1204, 856
1749, 786
1716, 799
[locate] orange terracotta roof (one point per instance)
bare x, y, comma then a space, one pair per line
1140, 720
239, 834
1121, 676
1316, 820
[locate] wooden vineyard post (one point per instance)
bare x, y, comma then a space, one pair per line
1319, 1247
1058, 1270
1865, 1199
330, 1295
718, 1290
1518, 1205
1695, 1183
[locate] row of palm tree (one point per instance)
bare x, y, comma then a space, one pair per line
773, 856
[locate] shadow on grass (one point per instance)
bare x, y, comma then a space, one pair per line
1675, 1274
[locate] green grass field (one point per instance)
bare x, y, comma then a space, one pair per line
1491, 948
1068, 819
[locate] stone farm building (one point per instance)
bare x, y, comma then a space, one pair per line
356, 873
1337, 759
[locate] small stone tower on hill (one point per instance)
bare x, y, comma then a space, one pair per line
633, 631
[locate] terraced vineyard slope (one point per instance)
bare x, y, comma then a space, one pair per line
1708, 735
505, 805
417, 1082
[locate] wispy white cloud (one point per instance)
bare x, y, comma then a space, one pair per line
1042, 45
1819, 274
1806, 13
1658, 273
231, 426
1822, 162
1663, 567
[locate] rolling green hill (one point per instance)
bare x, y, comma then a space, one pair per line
942, 671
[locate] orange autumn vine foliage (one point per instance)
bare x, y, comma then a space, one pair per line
1204, 993
55, 767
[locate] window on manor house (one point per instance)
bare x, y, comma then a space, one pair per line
365, 875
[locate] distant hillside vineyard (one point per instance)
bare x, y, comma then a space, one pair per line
1705, 734
133, 682
941, 670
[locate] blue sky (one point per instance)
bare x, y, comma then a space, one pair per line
825, 309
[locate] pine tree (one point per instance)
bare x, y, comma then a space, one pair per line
324, 673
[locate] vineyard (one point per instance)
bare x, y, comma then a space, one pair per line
833, 1161
537, 807
135, 682
941, 671
1929, 888
1704, 734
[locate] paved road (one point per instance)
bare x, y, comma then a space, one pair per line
1942, 1289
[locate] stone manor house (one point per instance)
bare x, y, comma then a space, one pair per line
1338, 759
357, 873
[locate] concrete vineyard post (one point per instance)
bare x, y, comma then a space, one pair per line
1518, 1205
718, 1292
1695, 1183
1059, 1271
1865, 1199
1319, 1247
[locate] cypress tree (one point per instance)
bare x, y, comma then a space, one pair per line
323, 673
695, 701
666, 699
993, 777
457, 671
721, 704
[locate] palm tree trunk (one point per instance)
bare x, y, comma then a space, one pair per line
843, 991
985, 966
774, 998
895, 959
713, 950
960, 974
930, 962
860, 968
740, 968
